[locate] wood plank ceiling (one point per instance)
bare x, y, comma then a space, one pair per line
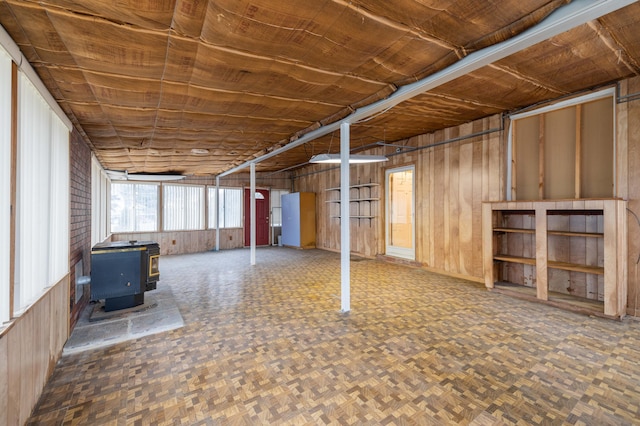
151, 83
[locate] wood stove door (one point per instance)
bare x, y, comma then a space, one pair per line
262, 217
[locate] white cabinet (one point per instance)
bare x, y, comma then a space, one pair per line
299, 219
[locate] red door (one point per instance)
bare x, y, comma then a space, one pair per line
262, 217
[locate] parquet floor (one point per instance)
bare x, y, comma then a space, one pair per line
268, 345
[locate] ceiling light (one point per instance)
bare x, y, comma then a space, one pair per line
118, 175
353, 159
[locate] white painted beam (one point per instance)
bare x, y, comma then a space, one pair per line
252, 201
217, 213
345, 237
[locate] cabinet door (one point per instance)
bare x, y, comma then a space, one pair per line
291, 219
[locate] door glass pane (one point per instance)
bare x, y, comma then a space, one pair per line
400, 209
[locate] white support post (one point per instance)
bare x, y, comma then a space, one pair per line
217, 213
253, 213
345, 238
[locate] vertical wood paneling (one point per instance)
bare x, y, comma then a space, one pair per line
476, 193
29, 350
438, 208
432, 201
452, 181
628, 184
4, 384
465, 212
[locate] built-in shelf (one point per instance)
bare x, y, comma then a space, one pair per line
515, 259
360, 185
354, 200
599, 270
577, 234
519, 247
516, 230
354, 217
364, 198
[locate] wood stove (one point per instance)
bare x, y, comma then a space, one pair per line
122, 271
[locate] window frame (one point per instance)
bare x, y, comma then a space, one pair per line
186, 202
215, 210
136, 229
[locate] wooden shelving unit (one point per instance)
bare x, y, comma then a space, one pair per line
359, 194
517, 236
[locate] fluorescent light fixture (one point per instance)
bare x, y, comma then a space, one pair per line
353, 159
118, 175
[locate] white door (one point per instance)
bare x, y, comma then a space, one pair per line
400, 227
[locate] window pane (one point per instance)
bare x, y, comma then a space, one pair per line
5, 181
183, 207
99, 185
211, 200
32, 225
276, 206
134, 207
42, 191
230, 208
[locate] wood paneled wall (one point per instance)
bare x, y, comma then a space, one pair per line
628, 181
452, 181
29, 350
180, 242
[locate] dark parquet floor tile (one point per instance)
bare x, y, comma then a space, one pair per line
267, 344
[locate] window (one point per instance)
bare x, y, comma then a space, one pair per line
134, 207
276, 206
99, 198
42, 190
211, 203
5, 182
183, 207
229, 211
565, 150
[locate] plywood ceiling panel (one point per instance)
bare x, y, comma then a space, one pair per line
147, 81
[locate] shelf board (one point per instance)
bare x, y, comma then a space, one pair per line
515, 259
577, 234
575, 267
354, 200
360, 185
355, 217
516, 230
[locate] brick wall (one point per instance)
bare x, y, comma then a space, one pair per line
80, 219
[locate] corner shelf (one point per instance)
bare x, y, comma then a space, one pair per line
517, 233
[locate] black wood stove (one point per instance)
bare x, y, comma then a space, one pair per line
122, 271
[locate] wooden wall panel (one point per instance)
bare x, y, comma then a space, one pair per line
452, 181
29, 349
180, 242
4, 384
628, 182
